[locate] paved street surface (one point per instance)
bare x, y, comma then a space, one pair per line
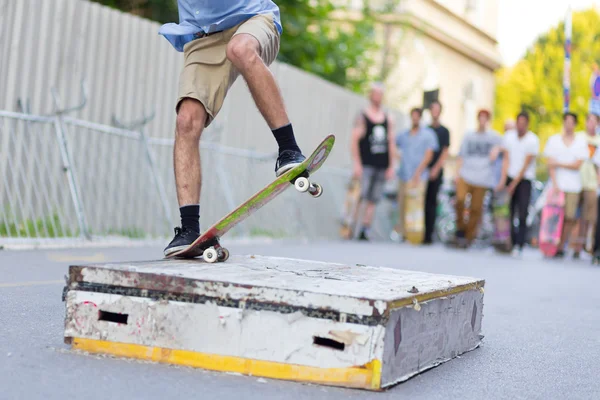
541, 325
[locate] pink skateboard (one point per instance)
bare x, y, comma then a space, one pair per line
552, 222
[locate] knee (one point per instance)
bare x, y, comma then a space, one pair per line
190, 120
242, 51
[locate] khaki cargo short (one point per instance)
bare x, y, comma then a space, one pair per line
571, 205
589, 207
207, 74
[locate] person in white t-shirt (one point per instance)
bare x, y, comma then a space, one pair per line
566, 153
522, 147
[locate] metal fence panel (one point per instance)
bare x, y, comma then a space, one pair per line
130, 71
34, 195
119, 185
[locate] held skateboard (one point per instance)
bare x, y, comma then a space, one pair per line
350, 207
502, 222
414, 204
208, 246
552, 223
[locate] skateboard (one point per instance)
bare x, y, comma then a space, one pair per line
502, 222
350, 206
414, 211
552, 223
208, 246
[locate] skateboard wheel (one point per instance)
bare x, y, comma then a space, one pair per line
223, 254
316, 190
302, 184
210, 255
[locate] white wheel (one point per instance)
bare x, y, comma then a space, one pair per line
210, 255
316, 190
302, 184
223, 254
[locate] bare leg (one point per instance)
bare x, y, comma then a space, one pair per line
566, 234
369, 213
243, 52
186, 153
581, 235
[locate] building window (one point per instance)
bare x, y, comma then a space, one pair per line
474, 11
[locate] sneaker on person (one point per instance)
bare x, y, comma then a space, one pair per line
287, 160
363, 235
183, 238
396, 237
559, 254
517, 252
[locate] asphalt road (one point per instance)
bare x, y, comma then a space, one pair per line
541, 325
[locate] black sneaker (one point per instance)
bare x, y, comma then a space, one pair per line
183, 238
363, 236
559, 254
287, 160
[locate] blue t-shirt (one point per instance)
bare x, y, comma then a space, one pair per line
413, 149
197, 16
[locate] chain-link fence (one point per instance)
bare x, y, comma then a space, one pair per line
68, 178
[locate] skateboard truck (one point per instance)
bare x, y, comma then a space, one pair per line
302, 184
213, 251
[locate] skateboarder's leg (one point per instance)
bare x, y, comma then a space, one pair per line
203, 85
476, 211
251, 50
186, 154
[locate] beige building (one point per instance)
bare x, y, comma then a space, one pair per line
448, 46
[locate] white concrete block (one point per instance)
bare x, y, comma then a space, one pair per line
353, 326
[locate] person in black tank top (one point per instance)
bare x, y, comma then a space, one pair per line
374, 146
373, 152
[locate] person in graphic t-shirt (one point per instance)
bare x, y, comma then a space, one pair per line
566, 153
522, 147
589, 184
373, 152
475, 166
436, 170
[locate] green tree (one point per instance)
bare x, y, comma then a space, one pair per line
314, 39
535, 83
157, 10
335, 49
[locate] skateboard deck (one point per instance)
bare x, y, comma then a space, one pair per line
414, 211
502, 222
207, 245
552, 223
350, 206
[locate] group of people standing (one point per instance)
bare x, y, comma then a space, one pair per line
486, 162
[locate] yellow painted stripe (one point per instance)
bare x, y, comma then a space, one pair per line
31, 283
436, 294
365, 377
